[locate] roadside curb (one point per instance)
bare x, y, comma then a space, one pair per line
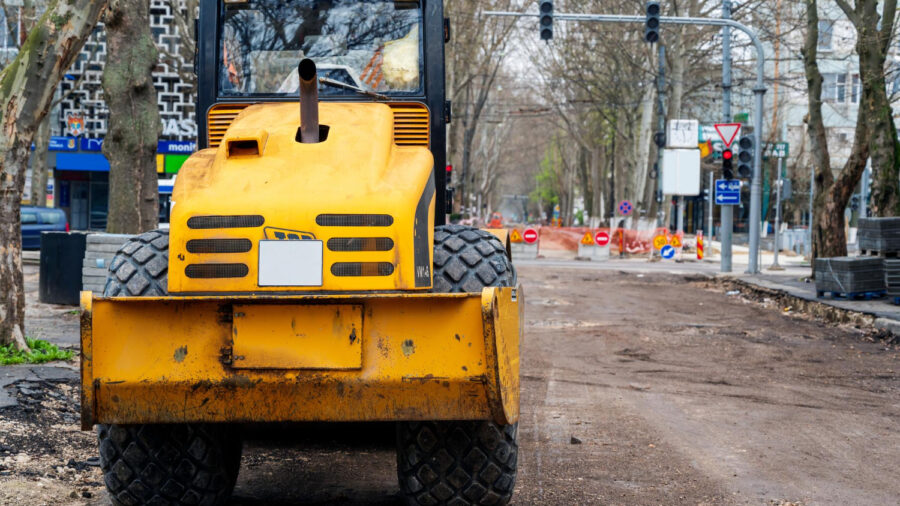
809, 304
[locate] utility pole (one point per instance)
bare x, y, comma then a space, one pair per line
726, 227
779, 168
710, 197
812, 195
660, 130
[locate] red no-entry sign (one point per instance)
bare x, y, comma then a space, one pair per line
601, 238
530, 235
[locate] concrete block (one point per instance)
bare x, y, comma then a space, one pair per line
100, 238
523, 251
593, 252
109, 248
92, 271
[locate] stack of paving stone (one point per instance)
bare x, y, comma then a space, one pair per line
892, 278
879, 236
850, 277
99, 251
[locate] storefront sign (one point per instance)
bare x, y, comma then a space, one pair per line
176, 147
91, 144
58, 143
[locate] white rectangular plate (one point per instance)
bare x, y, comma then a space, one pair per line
290, 263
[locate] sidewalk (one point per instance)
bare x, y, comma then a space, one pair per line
795, 282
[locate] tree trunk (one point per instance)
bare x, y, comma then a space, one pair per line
828, 235
39, 163
642, 154
134, 126
883, 143
27, 87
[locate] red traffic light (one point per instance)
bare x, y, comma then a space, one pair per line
449, 169
727, 154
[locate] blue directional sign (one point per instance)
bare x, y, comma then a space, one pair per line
667, 252
728, 192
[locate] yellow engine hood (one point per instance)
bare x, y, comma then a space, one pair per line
357, 170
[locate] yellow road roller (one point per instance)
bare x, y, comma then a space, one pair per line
308, 274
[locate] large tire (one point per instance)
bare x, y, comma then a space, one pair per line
467, 259
162, 464
461, 463
140, 267
169, 465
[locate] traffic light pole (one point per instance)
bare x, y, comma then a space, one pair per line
758, 90
726, 228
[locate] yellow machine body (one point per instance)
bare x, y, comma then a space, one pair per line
362, 345
303, 191
360, 357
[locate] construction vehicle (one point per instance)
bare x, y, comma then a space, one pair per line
308, 274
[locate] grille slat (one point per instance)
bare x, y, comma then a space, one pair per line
221, 221
346, 269
360, 244
219, 245
213, 271
410, 124
354, 220
219, 119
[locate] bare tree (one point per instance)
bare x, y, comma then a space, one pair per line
27, 87
134, 126
832, 194
474, 58
873, 37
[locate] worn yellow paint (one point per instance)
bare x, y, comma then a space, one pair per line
424, 356
359, 169
87, 358
297, 337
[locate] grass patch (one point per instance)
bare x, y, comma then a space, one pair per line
41, 351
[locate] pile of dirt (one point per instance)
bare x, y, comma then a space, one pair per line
44, 456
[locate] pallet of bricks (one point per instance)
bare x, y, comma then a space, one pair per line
850, 277
99, 252
880, 238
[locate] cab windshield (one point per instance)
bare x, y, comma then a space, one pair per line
370, 44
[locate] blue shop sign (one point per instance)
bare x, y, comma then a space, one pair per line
60, 143
95, 145
176, 147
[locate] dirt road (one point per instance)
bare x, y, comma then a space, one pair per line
637, 389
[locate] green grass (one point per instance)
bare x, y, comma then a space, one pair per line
41, 351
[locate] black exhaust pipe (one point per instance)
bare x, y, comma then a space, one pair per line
309, 101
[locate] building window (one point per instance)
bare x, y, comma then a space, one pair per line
841, 88
825, 31
829, 87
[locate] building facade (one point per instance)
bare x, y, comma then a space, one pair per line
79, 182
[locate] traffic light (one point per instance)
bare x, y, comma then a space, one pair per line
659, 138
546, 19
727, 168
745, 157
651, 25
854, 202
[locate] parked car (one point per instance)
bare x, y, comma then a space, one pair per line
39, 219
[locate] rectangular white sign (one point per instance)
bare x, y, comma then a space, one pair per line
682, 133
681, 172
290, 263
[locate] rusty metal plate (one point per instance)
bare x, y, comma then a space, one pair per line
297, 337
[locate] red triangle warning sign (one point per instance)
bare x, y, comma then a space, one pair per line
727, 132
